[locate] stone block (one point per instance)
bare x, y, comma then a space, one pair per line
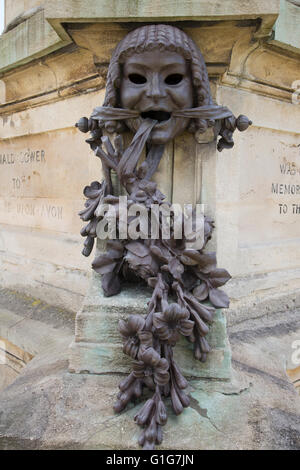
97, 347
27, 41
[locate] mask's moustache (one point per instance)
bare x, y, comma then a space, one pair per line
212, 112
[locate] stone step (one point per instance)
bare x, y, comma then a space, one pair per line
29, 335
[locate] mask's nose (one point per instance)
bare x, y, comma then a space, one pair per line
155, 88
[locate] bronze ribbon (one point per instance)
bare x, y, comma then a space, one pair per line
212, 111
132, 154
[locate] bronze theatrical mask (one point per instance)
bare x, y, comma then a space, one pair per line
157, 87
157, 83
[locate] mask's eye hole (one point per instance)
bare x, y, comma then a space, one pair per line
173, 79
137, 78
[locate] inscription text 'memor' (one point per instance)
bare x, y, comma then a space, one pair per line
281, 188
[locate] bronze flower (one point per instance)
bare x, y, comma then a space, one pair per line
134, 338
140, 259
151, 364
209, 287
173, 321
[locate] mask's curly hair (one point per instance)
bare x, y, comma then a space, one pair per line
166, 38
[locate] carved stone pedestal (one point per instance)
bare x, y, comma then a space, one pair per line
97, 348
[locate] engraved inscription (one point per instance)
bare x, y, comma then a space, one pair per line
39, 186
45, 210
287, 189
269, 209
25, 157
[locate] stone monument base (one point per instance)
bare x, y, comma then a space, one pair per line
49, 408
97, 347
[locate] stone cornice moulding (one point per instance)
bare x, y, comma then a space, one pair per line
31, 39
44, 32
286, 31
244, 71
58, 12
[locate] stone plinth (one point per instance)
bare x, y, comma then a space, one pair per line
97, 347
49, 408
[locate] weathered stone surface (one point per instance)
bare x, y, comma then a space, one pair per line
185, 169
16, 353
22, 336
35, 38
59, 77
12, 361
287, 27
31, 336
14, 9
294, 375
16, 303
7, 375
263, 261
98, 347
171, 9
38, 202
49, 408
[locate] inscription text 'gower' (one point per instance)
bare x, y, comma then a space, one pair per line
26, 156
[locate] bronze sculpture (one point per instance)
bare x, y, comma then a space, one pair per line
157, 86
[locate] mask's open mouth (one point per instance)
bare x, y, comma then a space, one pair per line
157, 115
